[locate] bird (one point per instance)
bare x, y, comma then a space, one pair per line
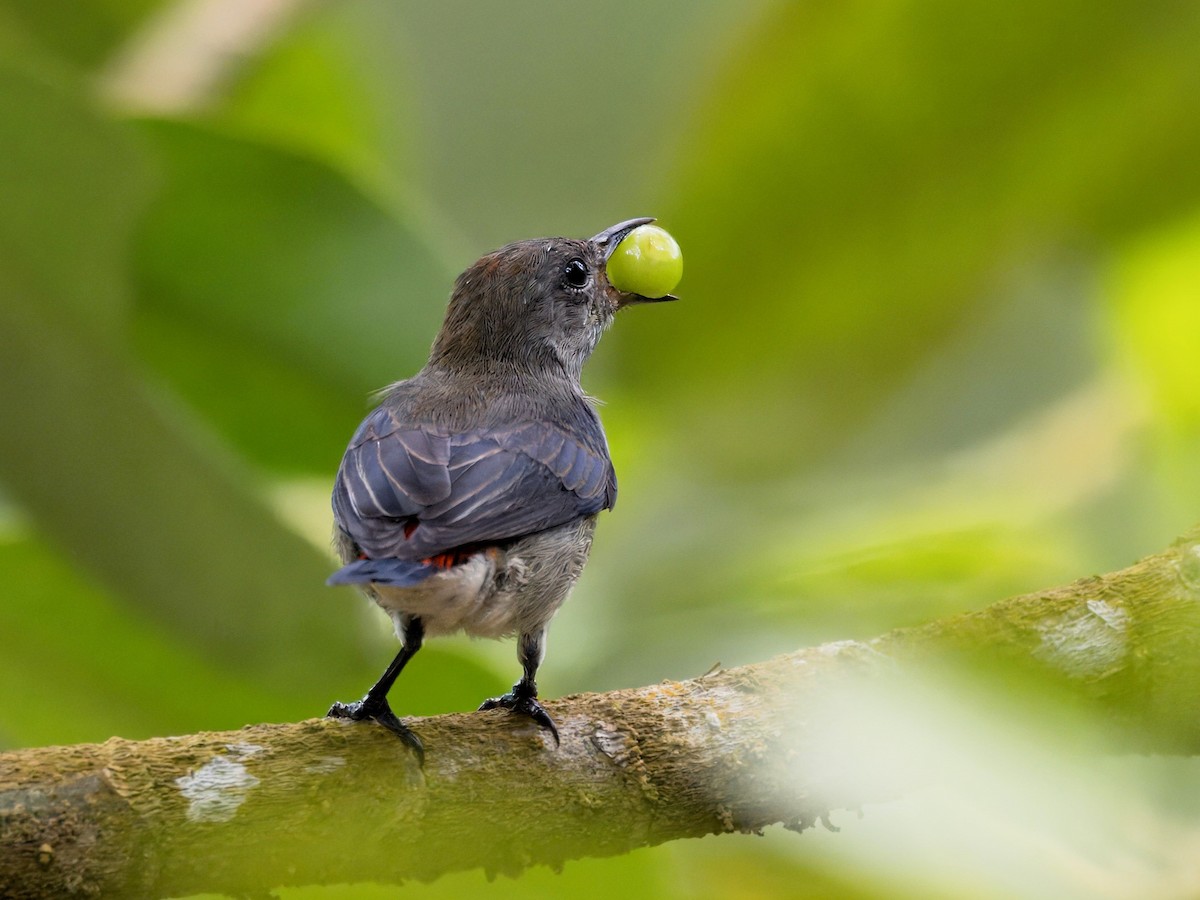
467, 499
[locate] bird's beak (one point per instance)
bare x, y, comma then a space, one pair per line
624, 299
607, 241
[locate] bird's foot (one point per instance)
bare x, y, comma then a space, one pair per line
525, 702
379, 711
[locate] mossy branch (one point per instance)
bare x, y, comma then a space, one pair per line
328, 801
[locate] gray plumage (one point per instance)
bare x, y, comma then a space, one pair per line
466, 501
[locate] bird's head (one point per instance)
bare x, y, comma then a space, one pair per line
535, 305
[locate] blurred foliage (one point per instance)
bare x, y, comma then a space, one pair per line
939, 343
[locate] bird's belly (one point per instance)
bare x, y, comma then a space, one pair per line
498, 592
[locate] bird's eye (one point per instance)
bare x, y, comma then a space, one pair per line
576, 273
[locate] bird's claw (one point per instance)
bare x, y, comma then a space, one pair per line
380, 712
526, 704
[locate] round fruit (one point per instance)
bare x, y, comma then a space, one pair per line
647, 262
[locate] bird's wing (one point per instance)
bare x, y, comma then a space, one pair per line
412, 492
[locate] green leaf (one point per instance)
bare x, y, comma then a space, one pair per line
83, 31
113, 471
252, 252
72, 184
78, 667
150, 504
279, 415
332, 88
864, 172
142, 498
1154, 332
1156, 322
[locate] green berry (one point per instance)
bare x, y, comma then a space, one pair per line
647, 262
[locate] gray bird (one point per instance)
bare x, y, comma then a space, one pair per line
467, 499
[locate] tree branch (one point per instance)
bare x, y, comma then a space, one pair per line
327, 801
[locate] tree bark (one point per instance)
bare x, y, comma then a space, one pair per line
331, 801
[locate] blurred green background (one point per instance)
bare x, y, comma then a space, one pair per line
939, 343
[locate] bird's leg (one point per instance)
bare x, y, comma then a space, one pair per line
375, 705
531, 648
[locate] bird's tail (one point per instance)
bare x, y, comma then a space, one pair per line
390, 571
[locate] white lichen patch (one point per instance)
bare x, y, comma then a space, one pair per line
244, 750
698, 725
726, 702
1189, 568
216, 790
854, 649
612, 742
835, 648
1086, 643
325, 765
1114, 617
